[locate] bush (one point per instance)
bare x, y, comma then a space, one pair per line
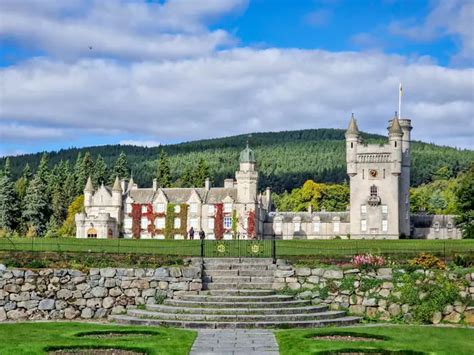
427, 261
367, 261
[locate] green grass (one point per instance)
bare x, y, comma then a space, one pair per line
283, 247
429, 339
37, 338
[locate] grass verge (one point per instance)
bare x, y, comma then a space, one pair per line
38, 338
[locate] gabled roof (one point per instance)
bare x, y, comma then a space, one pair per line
182, 195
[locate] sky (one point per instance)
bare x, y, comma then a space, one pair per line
93, 72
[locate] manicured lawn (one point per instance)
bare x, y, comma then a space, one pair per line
37, 338
283, 247
439, 340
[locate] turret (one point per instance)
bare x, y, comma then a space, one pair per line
352, 141
88, 192
395, 135
247, 159
247, 177
117, 193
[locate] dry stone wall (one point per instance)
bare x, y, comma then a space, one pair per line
384, 294
72, 294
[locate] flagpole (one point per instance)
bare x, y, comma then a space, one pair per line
400, 101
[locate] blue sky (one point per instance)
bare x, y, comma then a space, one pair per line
93, 72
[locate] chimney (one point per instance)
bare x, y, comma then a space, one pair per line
310, 208
124, 185
229, 183
207, 184
268, 197
155, 184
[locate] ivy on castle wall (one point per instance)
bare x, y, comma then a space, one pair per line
219, 221
169, 221
183, 216
251, 230
235, 221
136, 215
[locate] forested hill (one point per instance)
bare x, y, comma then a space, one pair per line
285, 159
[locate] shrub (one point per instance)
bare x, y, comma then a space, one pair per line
427, 261
367, 261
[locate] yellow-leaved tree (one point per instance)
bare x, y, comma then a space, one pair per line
68, 229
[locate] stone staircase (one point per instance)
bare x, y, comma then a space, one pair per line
237, 293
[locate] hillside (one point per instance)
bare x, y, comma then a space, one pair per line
285, 159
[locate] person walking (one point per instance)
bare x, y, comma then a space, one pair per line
191, 233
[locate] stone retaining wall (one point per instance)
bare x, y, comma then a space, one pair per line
72, 294
375, 294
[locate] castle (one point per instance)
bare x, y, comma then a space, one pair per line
379, 203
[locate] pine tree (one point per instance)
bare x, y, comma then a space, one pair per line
187, 179
202, 173
78, 175
69, 188
99, 174
8, 200
120, 168
21, 185
37, 211
86, 170
163, 174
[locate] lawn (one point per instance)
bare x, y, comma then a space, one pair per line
283, 247
37, 338
396, 338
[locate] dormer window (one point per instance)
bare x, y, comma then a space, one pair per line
436, 226
373, 191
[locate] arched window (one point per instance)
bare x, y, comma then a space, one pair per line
373, 191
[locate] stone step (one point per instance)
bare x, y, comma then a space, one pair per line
270, 304
236, 292
236, 317
227, 261
230, 273
207, 310
238, 279
237, 286
238, 267
241, 299
342, 321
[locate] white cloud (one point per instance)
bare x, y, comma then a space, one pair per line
145, 143
17, 132
447, 17
238, 91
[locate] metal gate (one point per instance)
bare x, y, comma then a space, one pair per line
261, 248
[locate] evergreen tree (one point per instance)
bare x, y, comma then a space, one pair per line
78, 175
120, 168
99, 174
86, 170
187, 179
202, 173
465, 196
21, 185
8, 200
37, 211
59, 205
69, 188
163, 174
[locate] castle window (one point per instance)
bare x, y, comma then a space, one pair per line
177, 223
363, 209
127, 223
384, 226
373, 191
211, 210
278, 227
363, 174
395, 144
316, 227
297, 226
177, 209
144, 209
193, 207
227, 222
384, 209
450, 225
352, 145
160, 207
436, 226
363, 225
160, 223
91, 233
193, 222
227, 207
336, 227
384, 173
210, 223
144, 223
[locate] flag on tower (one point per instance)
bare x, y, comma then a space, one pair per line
400, 101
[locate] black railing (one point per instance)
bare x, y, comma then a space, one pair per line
235, 248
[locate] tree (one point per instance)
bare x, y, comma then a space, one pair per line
187, 179
68, 229
163, 174
99, 174
120, 168
202, 173
465, 195
8, 200
78, 175
86, 170
37, 211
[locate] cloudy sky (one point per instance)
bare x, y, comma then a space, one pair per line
91, 72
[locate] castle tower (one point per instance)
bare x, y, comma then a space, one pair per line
375, 171
405, 178
88, 192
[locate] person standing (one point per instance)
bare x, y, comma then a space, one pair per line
191, 233
202, 235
